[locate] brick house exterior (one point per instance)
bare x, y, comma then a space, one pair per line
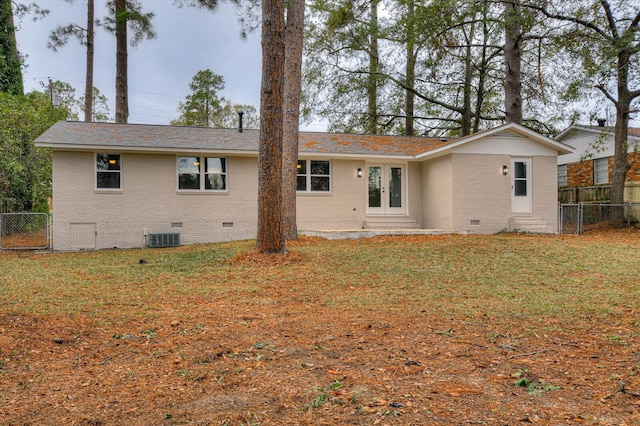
593, 145
127, 185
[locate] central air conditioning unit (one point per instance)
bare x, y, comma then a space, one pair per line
164, 240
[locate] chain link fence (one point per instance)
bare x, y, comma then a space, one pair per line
581, 217
24, 231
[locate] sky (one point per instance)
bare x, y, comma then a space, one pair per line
160, 70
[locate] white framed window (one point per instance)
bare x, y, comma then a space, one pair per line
202, 173
314, 176
108, 171
600, 171
562, 175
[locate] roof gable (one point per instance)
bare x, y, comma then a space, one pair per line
578, 130
511, 131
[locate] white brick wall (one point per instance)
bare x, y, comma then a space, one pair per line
149, 202
481, 192
545, 200
437, 202
344, 208
445, 193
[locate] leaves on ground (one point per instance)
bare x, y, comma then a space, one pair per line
393, 330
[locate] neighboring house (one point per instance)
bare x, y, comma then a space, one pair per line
131, 185
585, 174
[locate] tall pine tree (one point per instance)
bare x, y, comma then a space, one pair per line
10, 72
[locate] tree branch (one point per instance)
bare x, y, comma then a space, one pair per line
606, 93
573, 19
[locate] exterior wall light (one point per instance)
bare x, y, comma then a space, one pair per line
359, 172
505, 170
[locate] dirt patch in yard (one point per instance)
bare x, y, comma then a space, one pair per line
295, 361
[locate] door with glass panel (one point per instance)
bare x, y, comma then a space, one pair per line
521, 185
385, 189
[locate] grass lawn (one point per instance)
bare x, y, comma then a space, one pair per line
502, 329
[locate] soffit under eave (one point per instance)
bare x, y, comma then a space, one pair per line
238, 153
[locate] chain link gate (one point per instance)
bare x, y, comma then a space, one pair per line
24, 231
576, 218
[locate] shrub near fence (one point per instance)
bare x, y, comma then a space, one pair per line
22, 231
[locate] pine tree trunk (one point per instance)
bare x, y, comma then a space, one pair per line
88, 88
293, 78
270, 237
410, 70
372, 116
468, 88
122, 95
512, 58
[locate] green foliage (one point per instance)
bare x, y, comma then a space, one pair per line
25, 173
204, 107
10, 71
589, 38
139, 22
100, 106
458, 76
66, 95
534, 387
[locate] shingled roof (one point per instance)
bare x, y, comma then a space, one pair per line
571, 131
81, 135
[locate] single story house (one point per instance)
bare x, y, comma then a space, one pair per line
131, 185
584, 175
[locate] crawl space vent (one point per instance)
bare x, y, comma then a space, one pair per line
164, 240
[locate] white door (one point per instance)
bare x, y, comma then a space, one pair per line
521, 185
386, 189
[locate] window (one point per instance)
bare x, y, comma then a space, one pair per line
520, 178
108, 171
314, 176
202, 173
600, 171
562, 175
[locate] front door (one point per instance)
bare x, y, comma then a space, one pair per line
521, 185
386, 189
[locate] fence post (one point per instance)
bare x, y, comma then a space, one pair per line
559, 218
580, 217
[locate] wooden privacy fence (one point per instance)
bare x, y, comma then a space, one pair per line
585, 194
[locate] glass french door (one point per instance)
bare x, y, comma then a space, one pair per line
385, 189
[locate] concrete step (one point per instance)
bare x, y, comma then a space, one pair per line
390, 223
530, 223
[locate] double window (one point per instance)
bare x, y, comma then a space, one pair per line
314, 176
202, 173
108, 171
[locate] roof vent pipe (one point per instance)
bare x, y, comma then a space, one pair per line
240, 114
602, 122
